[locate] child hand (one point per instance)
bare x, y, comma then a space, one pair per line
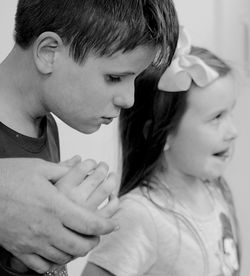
89, 184
70, 163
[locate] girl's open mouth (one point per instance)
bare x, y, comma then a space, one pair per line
222, 154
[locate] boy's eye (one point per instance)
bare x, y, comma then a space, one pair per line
218, 116
113, 78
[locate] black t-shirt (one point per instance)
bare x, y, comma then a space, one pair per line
14, 144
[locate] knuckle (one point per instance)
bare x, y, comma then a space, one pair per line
62, 258
22, 245
36, 230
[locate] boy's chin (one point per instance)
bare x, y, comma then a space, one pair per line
88, 129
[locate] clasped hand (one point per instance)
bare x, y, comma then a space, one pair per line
44, 224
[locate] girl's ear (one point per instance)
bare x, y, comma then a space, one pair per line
166, 147
45, 50
168, 143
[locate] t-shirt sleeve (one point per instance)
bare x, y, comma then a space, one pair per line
132, 249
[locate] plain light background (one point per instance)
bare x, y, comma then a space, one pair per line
220, 25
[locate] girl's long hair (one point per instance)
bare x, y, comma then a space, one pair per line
145, 127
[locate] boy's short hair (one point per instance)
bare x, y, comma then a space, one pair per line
100, 26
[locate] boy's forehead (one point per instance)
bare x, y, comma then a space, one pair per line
141, 49
135, 58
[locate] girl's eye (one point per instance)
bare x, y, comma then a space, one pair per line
217, 118
112, 78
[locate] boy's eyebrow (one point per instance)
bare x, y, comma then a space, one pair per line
234, 104
127, 73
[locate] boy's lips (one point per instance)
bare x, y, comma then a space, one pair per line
107, 120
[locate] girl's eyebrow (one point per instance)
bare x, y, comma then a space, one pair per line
222, 109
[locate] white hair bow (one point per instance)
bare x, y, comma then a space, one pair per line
186, 68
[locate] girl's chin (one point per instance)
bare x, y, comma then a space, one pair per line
214, 173
212, 176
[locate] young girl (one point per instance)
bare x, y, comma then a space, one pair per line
177, 215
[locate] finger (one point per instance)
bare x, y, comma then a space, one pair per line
102, 192
76, 245
110, 208
72, 162
35, 263
80, 219
75, 176
55, 255
18, 265
90, 184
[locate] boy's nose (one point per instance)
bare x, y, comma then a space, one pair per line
126, 98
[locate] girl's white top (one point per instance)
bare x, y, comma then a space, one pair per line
159, 242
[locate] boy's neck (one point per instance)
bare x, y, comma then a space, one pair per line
20, 108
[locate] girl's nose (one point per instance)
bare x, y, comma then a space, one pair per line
232, 132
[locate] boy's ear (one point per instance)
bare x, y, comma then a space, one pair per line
45, 50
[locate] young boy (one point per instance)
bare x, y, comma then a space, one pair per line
77, 59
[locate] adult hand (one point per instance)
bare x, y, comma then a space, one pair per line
38, 223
